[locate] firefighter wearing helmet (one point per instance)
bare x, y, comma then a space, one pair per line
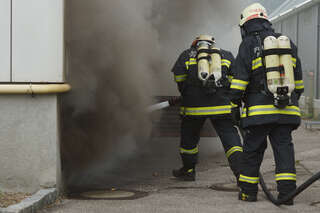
203, 74
268, 80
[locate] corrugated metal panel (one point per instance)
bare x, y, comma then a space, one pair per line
37, 40
307, 45
277, 26
5, 19
290, 28
287, 5
318, 64
166, 123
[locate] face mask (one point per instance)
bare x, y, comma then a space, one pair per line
204, 44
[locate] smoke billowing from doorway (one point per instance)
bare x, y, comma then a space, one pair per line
119, 54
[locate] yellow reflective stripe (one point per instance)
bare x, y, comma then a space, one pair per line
253, 180
187, 64
270, 109
230, 77
189, 151
225, 62
286, 176
233, 150
257, 63
294, 62
239, 84
299, 84
180, 78
216, 110
233, 105
191, 61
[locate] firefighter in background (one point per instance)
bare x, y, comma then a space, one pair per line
203, 74
268, 79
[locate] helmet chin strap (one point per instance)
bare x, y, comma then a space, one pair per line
243, 32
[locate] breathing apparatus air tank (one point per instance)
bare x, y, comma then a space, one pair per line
215, 65
203, 60
272, 63
286, 62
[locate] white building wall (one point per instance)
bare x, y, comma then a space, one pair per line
29, 125
37, 40
5, 19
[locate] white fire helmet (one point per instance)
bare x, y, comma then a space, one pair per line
253, 11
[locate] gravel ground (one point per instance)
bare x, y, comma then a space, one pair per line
7, 199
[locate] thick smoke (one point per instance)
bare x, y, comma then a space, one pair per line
118, 56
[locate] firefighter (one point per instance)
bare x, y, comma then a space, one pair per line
203, 74
268, 80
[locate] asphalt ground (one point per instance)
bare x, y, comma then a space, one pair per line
152, 174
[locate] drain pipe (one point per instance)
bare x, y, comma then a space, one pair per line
34, 88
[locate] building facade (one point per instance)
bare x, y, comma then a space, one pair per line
300, 20
31, 76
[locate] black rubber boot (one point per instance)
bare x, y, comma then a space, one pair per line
184, 174
247, 197
288, 203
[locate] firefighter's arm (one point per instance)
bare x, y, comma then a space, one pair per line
228, 62
180, 71
298, 76
241, 73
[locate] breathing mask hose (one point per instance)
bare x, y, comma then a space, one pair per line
291, 195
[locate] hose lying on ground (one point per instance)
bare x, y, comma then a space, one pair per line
291, 195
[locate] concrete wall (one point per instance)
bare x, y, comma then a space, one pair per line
32, 43
29, 137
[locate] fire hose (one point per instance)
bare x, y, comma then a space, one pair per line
171, 102
175, 100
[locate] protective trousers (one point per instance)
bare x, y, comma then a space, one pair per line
255, 144
190, 136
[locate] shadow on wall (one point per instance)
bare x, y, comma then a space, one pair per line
119, 54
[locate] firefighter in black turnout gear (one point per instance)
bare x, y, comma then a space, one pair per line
203, 74
268, 80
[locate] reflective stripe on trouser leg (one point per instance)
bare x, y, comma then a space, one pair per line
231, 142
190, 136
233, 150
286, 176
283, 149
246, 179
254, 146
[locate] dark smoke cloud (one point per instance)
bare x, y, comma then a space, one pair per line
119, 54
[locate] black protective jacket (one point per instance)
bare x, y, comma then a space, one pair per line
249, 80
195, 99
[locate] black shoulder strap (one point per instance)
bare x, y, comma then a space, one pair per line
264, 79
259, 53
